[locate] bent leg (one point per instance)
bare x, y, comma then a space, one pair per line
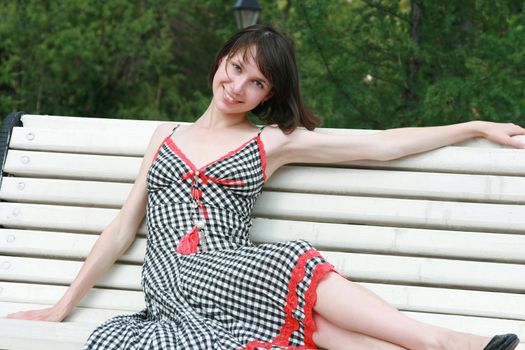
329, 336
354, 308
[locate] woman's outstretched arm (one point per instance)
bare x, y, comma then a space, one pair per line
303, 146
114, 240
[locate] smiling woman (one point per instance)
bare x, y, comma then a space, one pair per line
206, 285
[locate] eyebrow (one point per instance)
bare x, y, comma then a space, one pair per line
262, 80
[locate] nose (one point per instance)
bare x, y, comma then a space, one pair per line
238, 85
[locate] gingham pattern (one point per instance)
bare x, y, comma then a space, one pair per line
231, 294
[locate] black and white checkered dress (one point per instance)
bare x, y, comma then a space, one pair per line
206, 285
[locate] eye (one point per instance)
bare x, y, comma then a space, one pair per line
236, 67
258, 84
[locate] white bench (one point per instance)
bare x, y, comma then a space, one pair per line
439, 235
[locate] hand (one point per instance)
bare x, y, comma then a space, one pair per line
502, 132
51, 314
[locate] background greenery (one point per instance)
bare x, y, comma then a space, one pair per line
363, 63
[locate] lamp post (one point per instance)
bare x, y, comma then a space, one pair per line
246, 13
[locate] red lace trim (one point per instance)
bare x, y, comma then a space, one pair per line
158, 149
262, 152
311, 298
290, 323
177, 150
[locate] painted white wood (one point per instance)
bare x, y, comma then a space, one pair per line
59, 191
477, 325
402, 184
83, 123
91, 316
429, 271
129, 142
37, 335
452, 301
16, 292
407, 298
357, 182
60, 244
61, 218
72, 335
392, 212
338, 209
54, 271
439, 235
394, 240
70, 165
359, 267
327, 236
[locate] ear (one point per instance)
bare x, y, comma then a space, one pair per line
269, 96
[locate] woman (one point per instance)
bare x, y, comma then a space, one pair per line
206, 285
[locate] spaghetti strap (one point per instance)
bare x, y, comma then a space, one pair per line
175, 128
261, 129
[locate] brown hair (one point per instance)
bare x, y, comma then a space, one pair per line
275, 58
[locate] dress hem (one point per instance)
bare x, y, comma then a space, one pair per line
291, 324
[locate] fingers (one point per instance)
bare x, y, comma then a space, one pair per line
516, 143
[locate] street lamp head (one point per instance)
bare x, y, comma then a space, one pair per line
246, 13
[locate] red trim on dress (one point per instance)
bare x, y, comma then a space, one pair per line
158, 149
179, 152
291, 324
262, 153
311, 298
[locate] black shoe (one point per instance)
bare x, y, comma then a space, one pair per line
503, 342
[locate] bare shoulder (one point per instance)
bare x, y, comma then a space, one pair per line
162, 131
273, 138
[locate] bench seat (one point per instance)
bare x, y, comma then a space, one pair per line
439, 235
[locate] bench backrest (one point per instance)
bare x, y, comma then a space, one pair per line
436, 234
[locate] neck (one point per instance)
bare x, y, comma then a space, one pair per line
215, 119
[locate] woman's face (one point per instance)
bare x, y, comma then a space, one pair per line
238, 84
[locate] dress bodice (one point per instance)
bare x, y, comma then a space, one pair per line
209, 207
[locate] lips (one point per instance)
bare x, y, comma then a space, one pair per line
228, 98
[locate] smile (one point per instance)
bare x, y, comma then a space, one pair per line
229, 98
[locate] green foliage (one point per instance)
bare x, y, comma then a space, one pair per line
363, 63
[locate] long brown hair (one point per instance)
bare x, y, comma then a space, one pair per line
275, 58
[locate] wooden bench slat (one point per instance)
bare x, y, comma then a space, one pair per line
411, 298
394, 240
60, 244
70, 123
359, 267
477, 325
401, 184
448, 160
63, 218
504, 218
429, 271
467, 160
69, 165
334, 237
452, 301
55, 191
37, 335
15, 292
72, 335
128, 142
392, 212
92, 316
391, 184
57, 122
18, 269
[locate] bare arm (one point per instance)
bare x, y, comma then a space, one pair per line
114, 240
304, 146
